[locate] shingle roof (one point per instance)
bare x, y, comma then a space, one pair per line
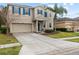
13, 4
65, 19
19, 5
68, 19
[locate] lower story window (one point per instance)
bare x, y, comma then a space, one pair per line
50, 25
44, 25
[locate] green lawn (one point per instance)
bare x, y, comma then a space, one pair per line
10, 51
74, 40
63, 34
5, 39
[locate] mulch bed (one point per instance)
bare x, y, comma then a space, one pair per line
49, 33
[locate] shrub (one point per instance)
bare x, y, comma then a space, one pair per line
61, 29
3, 30
49, 31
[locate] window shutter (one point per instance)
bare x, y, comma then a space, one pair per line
41, 12
29, 11
23, 11
12, 9
50, 14
45, 14
38, 11
19, 11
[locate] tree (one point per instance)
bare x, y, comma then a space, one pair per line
58, 11
1, 21
4, 16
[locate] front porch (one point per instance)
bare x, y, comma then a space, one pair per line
39, 26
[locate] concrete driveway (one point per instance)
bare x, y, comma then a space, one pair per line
36, 44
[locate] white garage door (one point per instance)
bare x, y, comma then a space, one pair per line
21, 28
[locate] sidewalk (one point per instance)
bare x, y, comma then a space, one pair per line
25, 51
9, 45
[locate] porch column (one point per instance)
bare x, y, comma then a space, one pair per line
32, 27
46, 25
36, 25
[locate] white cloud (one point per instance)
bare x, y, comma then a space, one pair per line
71, 4
52, 5
64, 4
66, 7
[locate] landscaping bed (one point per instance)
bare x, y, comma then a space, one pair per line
10, 51
52, 33
63, 34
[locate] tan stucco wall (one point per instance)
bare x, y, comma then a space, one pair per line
16, 18
50, 19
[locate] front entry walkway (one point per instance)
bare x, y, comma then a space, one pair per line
68, 38
36, 44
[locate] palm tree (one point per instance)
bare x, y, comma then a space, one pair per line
58, 11
4, 16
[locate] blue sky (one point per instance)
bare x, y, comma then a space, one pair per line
73, 8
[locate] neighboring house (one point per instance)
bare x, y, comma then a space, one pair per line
29, 19
70, 24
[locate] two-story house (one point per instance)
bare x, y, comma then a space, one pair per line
29, 19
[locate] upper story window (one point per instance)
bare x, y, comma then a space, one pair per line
45, 14
39, 12
50, 14
26, 12
16, 10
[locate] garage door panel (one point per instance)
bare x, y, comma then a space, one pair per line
21, 27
